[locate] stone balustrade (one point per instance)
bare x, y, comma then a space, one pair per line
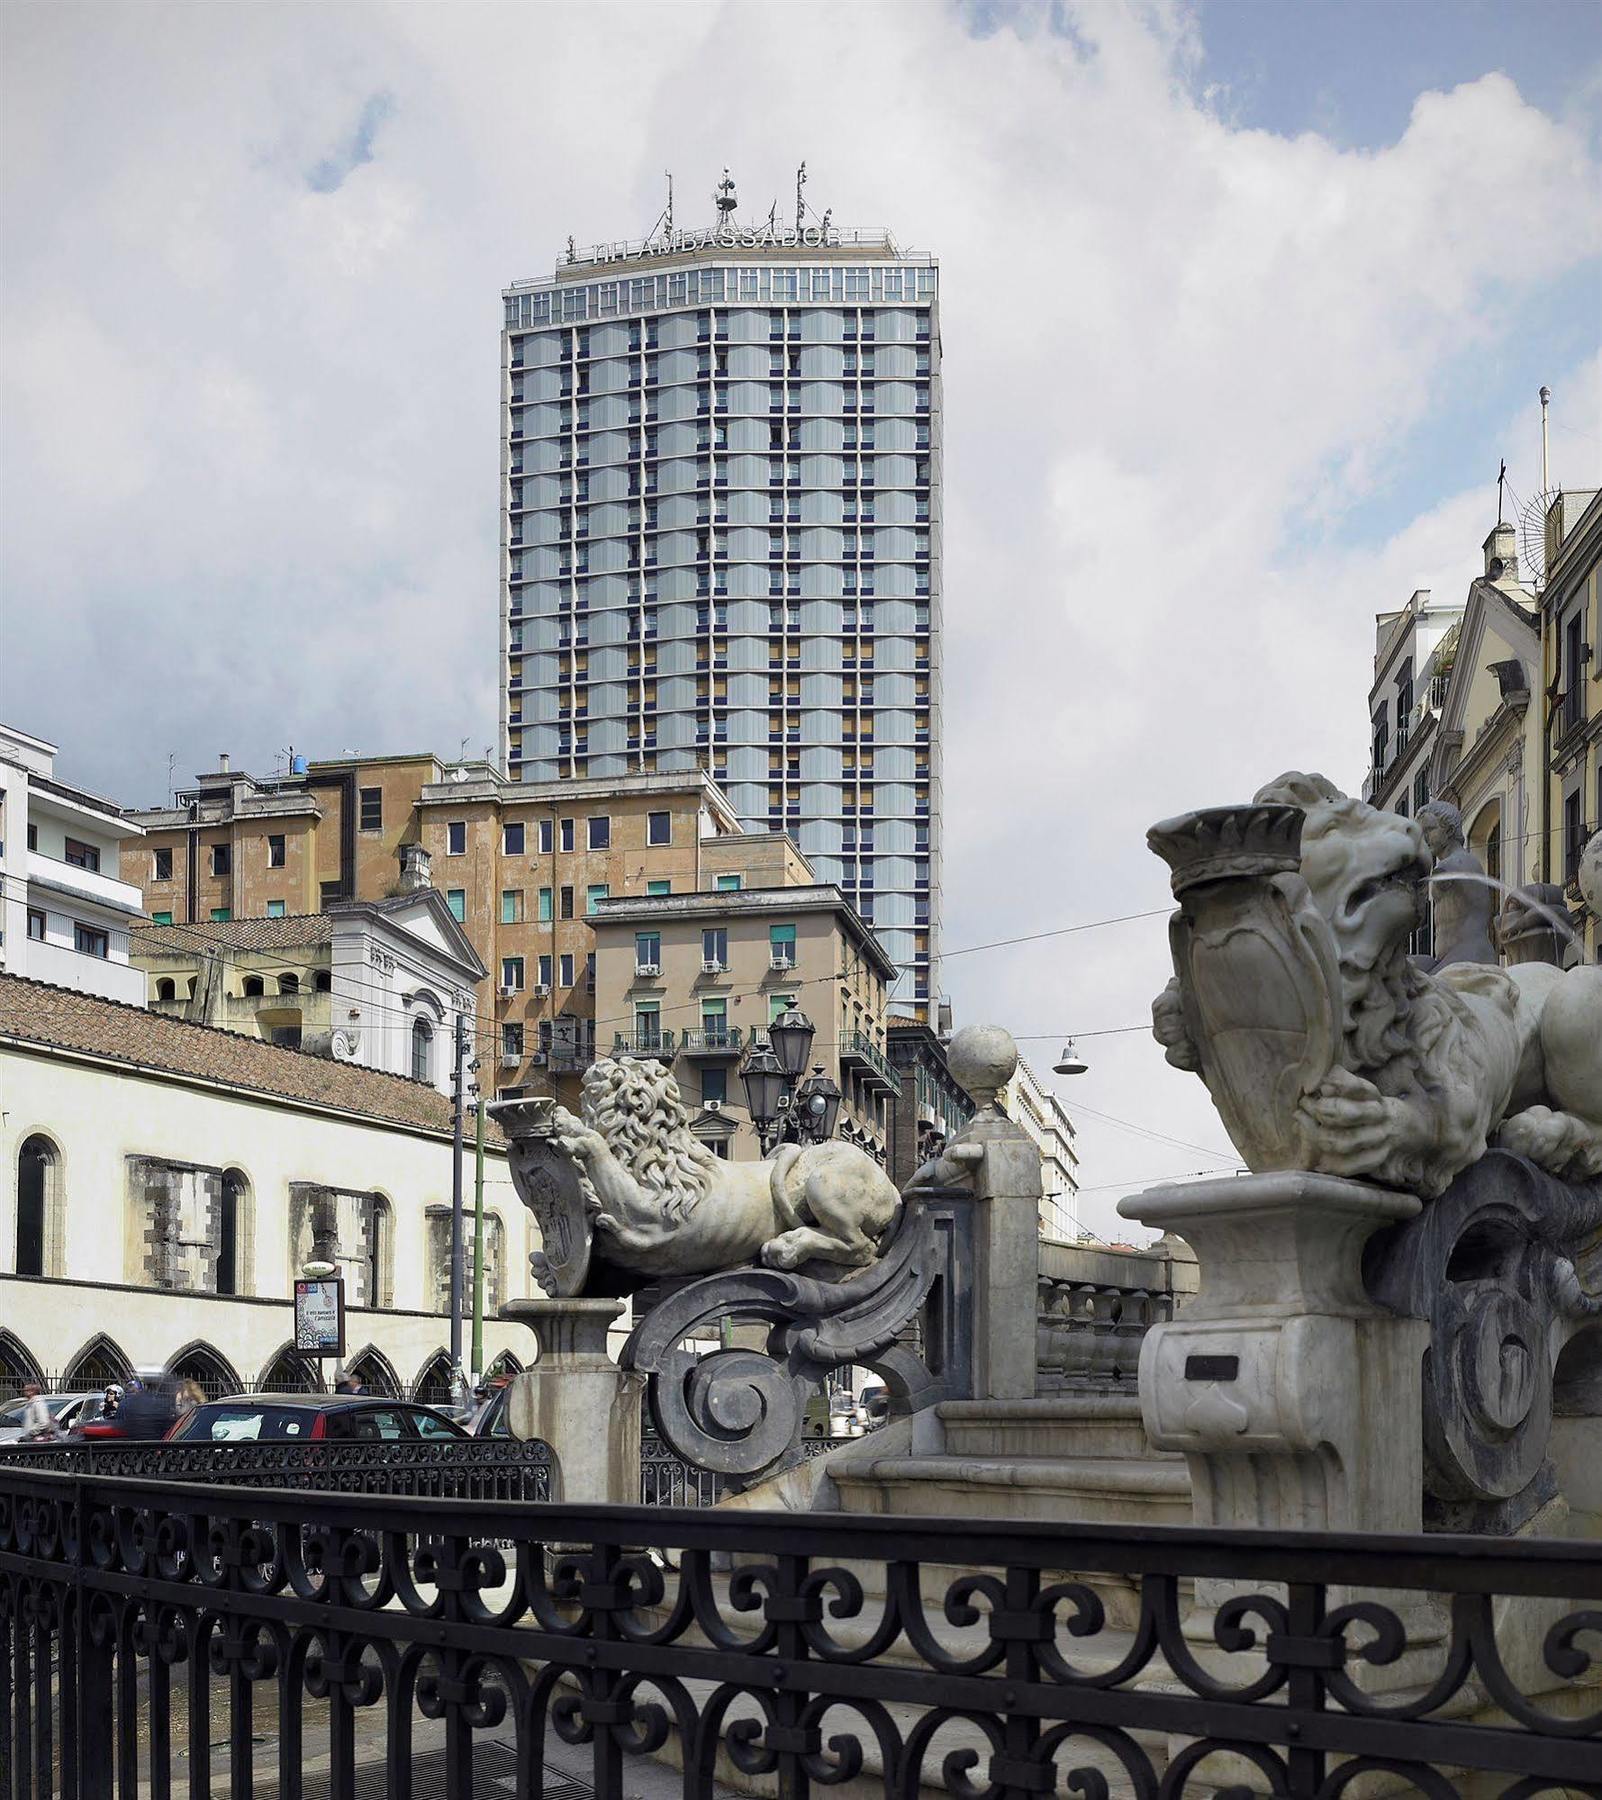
1094, 1306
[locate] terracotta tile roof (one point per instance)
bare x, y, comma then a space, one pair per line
290, 933
35, 1012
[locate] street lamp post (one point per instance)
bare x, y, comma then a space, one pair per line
784, 1108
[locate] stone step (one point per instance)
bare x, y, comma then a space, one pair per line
1054, 1490
1058, 1426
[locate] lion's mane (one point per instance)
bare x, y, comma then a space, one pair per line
637, 1108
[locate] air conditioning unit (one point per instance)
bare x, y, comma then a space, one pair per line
541, 990
712, 1106
510, 1059
647, 969
507, 990
780, 960
711, 966
538, 1060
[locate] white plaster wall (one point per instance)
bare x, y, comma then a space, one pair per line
99, 1116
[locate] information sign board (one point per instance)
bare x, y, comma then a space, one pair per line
320, 1316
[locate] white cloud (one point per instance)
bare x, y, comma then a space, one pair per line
251, 456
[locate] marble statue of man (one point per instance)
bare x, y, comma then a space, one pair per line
1463, 901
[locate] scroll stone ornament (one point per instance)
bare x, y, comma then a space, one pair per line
1323, 1046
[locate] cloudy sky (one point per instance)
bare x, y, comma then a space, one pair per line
1242, 304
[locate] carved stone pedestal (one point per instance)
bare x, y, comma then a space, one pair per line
1294, 1398
577, 1400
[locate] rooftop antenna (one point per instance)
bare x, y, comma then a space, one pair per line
1546, 396
800, 203
1501, 482
725, 197
664, 219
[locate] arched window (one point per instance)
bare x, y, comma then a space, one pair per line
1493, 852
253, 987
504, 1364
100, 1362
39, 1221
322, 981
422, 1050
166, 989
233, 1233
17, 1365
208, 1369
373, 1371
289, 984
290, 1373
433, 1386
379, 1242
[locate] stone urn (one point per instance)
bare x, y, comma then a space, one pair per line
1255, 972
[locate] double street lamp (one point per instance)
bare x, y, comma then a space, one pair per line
784, 1108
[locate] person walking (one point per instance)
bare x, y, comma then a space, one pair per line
36, 1420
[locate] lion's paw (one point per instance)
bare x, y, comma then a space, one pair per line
777, 1254
1559, 1142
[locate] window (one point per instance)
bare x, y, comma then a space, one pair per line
511, 906
165, 918
512, 840
511, 971
163, 868
1574, 836
275, 850
545, 906
658, 888
715, 946
81, 855
594, 894
715, 1084
289, 984
647, 1025
38, 1206
275, 909
253, 987
781, 945
456, 900
601, 834
1421, 790
166, 989
567, 834
456, 838
36, 924
565, 969
33, 837
659, 828
545, 971
512, 1041
546, 837
422, 1050
330, 891
779, 1004
729, 884
87, 941
371, 808
647, 949
565, 903
220, 915
222, 859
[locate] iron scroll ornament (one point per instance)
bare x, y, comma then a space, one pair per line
740, 1411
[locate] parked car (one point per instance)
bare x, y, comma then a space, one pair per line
66, 1411
874, 1403
312, 1418
493, 1419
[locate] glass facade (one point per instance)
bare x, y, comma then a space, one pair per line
722, 549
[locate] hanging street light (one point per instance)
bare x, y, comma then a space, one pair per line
817, 1107
1069, 1063
791, 1036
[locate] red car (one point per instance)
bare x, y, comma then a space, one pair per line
312, 1418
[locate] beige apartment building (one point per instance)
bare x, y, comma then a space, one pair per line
522, 866
1571, 639
691, 979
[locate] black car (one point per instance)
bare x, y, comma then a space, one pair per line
312, 1418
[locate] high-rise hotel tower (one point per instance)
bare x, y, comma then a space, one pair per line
722, 541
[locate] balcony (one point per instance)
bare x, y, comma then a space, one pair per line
643, 1040
860, 1052
711, 1041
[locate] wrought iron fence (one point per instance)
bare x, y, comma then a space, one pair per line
153, 1629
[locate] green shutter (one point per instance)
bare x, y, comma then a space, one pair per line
456, 900
659, 887
545, 906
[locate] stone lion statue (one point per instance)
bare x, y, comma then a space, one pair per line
661, 1202
1423, 1069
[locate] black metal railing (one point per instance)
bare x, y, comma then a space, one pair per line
245, 1635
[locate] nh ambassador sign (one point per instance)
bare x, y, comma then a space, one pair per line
320, 1316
